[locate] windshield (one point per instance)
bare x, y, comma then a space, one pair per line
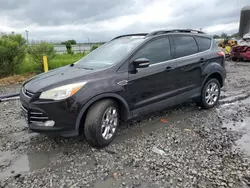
110, 53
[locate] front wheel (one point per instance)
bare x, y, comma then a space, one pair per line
210, 94
101, 123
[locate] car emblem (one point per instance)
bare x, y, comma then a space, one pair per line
123, 83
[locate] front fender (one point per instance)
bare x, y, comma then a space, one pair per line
127, 114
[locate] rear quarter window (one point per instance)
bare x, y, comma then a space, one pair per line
204, 43
184, 45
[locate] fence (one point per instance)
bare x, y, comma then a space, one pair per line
77, 48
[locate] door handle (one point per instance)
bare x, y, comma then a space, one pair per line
168, 69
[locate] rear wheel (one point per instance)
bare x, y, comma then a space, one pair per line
101, 123
210, 94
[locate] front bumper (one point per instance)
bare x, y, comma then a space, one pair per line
53, 130
64, 113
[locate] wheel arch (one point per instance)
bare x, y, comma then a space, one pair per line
123, 107
217, 75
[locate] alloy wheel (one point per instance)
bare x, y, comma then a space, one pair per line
109, 123
212, 93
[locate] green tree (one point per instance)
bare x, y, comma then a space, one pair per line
37, 51
224, 35
12, 53
72, 41
69, 41
216, 36
68, 44
69, 47
94, 47
235, 35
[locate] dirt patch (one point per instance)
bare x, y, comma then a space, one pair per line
15, 79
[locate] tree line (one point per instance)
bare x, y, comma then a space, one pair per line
226, 36
14, 48
69, 43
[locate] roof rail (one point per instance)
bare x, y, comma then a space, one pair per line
128, 35
175, 31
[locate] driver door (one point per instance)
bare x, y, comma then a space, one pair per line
156, 82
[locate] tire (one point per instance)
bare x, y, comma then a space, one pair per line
95, 126
202, 102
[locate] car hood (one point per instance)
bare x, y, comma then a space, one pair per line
61, 76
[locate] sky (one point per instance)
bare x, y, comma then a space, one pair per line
102, 20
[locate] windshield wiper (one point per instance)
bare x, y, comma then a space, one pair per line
87, 68
82, 67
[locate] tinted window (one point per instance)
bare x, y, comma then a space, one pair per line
203, 43
185, 45
155, 51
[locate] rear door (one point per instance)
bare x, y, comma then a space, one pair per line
156, 82
189, 62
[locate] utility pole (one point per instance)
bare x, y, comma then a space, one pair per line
88, 44
27, 35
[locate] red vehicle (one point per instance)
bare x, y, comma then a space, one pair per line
240, 53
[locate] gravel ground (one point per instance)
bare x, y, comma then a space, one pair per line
194, 148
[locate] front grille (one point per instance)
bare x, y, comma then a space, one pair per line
27, 93
34, 116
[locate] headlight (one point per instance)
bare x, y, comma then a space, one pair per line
62, 92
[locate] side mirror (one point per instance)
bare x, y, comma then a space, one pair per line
141, 63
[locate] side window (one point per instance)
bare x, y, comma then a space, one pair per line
203, 43
185, 45
155, 51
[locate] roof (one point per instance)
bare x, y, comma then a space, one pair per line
174, 31
161, 32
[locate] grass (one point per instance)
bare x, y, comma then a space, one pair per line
28, 64
64, 59
28, 68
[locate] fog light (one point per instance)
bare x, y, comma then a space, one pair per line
49, 123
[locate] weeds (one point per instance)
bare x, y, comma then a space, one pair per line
28, 64
64, 59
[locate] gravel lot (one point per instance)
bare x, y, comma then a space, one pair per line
194, 148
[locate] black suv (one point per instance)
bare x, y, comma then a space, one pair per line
127, 77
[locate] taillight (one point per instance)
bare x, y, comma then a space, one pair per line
220, 53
